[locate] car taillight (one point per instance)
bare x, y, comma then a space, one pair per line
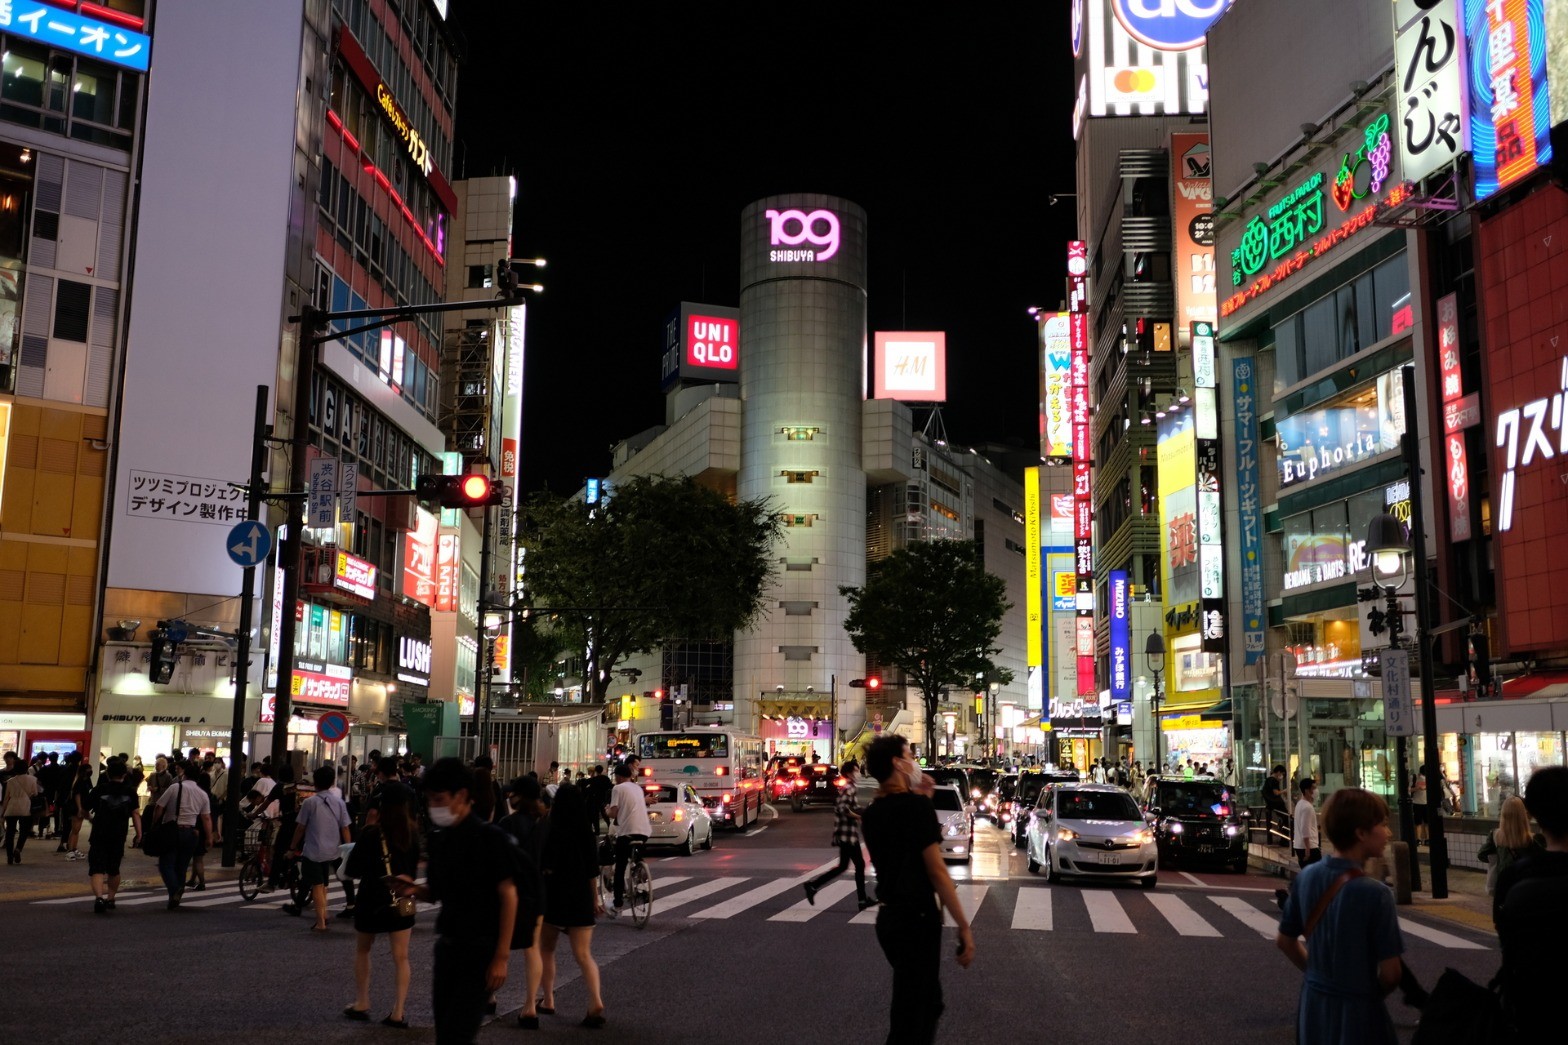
840, 782
680, 814
722, 771
725, 799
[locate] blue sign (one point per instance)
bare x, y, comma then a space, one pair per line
1121, 637
1509, 137
332, 727
1168, 25
72, 32
1249, 506
249, 542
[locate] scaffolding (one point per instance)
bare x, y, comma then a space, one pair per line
468, 390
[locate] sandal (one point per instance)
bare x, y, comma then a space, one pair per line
356, 1014
399, 1024
319, 928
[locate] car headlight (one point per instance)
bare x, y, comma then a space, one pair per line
1174, 827
954, 830
1231, 831
1143, 836
1066, 834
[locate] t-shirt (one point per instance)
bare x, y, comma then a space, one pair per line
597, 790
631, 809
1357, 931
380, 793
467, 861
268, 807
323, 817
81, 792
1304, 834
1532, 922
898, 829
1271, 796
111, 804
184, 799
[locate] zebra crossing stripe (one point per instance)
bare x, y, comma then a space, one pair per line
1032, 910
1248, 915
752, 897
827, 896
1106, 914
661, 904
970, 896
1183, 919
1438, 937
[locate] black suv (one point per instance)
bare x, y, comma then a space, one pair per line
819, 784
1027, 795
1199, 821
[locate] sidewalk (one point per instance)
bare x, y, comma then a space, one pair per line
45, 874
1467, 903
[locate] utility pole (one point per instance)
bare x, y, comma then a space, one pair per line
231, 801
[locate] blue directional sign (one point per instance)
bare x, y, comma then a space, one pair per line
249, 542
69, 31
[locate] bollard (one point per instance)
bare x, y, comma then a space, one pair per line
1400, 853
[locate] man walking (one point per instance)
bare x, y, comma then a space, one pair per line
846, 835
113, 809
597, 790
471, 872
322, 826
184, 804
1304, 833
905, 842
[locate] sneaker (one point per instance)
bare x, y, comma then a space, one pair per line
100, 906
76, 854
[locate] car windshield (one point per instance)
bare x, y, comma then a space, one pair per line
946, 800
1096, 805
984, 779
1182, 799
955, 777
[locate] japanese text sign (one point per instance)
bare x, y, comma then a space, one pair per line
1510, 110
154, 495
1429, 64
1249, 505
53, 27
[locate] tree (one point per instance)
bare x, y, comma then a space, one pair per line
664, 558
932, 611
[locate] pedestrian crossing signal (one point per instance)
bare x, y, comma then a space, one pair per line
161, 668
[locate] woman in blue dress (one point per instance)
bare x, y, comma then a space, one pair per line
1351, 953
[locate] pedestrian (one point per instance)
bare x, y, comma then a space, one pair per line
488, 806
1509, 842
17, 801
1422, 808
471, 873
62, 779
112, 805
905, 842
1352, 945
196, 770
386, 849
570, 868
529, 825
1531, 909
597, 791
218, 792
158, 783
185, 805
321, 826
1304, 829
76, 813
846, 835
1274, 796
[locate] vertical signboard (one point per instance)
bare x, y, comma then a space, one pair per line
1192, 206
1083, 457
323, 494
1211, 553
1033, 593
1056, 353
1510, 109
1399, 714
1249, 506
1428, 67
1456, 470
1121, 637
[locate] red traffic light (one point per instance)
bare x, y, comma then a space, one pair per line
476, 489
458, 491
872, 682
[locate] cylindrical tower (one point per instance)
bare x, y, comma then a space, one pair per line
802, 360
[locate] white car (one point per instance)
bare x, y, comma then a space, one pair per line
956, 819
678, 818
1091, 831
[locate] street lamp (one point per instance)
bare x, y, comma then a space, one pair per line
1154, 650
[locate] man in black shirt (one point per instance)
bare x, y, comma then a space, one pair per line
597, 790
112, 805
471, 872
1274, 797
906, 848
1531, 909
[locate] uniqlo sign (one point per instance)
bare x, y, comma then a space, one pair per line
711, 341
701, 345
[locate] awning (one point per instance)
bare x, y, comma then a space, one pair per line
1539, 685
794, 708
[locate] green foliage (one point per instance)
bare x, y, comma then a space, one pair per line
665, 559
931, 610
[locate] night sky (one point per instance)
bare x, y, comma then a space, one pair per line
638, 132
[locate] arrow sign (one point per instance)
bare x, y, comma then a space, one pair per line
249, 542
332, 727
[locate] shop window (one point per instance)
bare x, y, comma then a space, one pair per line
72, 305
794, 476
1194, 670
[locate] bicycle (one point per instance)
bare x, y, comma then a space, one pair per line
257, 870
639, 882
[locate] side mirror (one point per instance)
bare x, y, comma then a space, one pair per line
1154, 811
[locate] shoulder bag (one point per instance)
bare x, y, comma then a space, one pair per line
1321, 908
402, 906
165, 837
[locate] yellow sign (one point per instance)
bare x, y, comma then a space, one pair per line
1175, 722
417, 149
1034, 633
1066, 585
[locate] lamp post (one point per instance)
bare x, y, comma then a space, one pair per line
988, 739
1154, 650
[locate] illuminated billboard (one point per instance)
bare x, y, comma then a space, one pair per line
1144, 57
419, 558
1033, 594
910, 365
1192, 207
701, 345
1056, 423
1510, 104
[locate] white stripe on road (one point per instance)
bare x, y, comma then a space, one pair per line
1194, 879
970, 896
1106, 914
686, 896
1438, 937
752, 897
827, 896
1249, 915
1033, 909
1183, 919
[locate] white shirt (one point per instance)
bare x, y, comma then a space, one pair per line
1305, 833
190, 799
268, 807
631, 809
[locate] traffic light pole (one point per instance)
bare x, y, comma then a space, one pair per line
482, 663
231, 801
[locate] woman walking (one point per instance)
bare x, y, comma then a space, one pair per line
21, 787
1509, 842
1352, 948
385, 849
570, 867
529, 825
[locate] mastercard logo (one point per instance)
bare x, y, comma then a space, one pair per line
1134, 81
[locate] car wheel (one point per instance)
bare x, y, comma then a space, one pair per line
1034, 867
1149, 882
689, 846
1051, 874
707, 842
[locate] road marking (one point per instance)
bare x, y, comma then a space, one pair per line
1439, 937
1194, 879
1228, 888
751, 897
970, 896
686, 896
1106, 914
827, 896
756, 831
1249, 915
124, 896
1033, 909
1183, 919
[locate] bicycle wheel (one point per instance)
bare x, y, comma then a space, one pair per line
251, 879
639, 893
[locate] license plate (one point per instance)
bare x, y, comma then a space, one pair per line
1109, 858
1205, 849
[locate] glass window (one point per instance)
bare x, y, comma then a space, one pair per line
22, 74
93, 93
1096, 805
71, 307
1391, 290
683, 745
1287, 353
1320, 336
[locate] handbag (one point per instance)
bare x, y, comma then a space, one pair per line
402, 906
1462, 1012
165, 835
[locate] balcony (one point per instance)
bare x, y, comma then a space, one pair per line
1143, 235
1148, 300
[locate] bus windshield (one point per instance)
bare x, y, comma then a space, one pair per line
683, 745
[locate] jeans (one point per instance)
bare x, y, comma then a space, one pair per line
623, 852
1308, 856
17, 828
176, 860
847, 854
457, 985
911, 938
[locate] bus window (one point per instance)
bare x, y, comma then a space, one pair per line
683, 745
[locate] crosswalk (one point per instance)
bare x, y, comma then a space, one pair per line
1023, 907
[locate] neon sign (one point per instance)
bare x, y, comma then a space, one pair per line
1375, 154
417, 149
806, 232
1510, 110
1540, 416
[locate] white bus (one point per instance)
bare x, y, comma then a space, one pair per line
723, 765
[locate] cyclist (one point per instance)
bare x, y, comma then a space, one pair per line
629, 811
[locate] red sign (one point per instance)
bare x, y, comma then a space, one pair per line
1448, 347
315, 687
355, 576
1456, 469
332, 727
508, 458
419, 559
712, 341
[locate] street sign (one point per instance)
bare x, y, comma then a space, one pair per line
1399, 714
249, 543
321, 506
332, 727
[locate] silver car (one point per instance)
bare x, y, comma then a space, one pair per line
1091, 831
956, 819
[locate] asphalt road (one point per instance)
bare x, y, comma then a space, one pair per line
733, 954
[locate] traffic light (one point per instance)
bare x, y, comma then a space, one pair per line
161, 668
458, 491
870, 682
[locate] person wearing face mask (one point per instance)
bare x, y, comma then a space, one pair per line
901, 831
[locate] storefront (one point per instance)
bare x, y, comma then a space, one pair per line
810, 738
1491, 748
137, 717
31, 733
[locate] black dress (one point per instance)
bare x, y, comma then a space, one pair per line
570, 868
373, 911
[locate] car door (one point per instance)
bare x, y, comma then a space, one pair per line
694, 812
